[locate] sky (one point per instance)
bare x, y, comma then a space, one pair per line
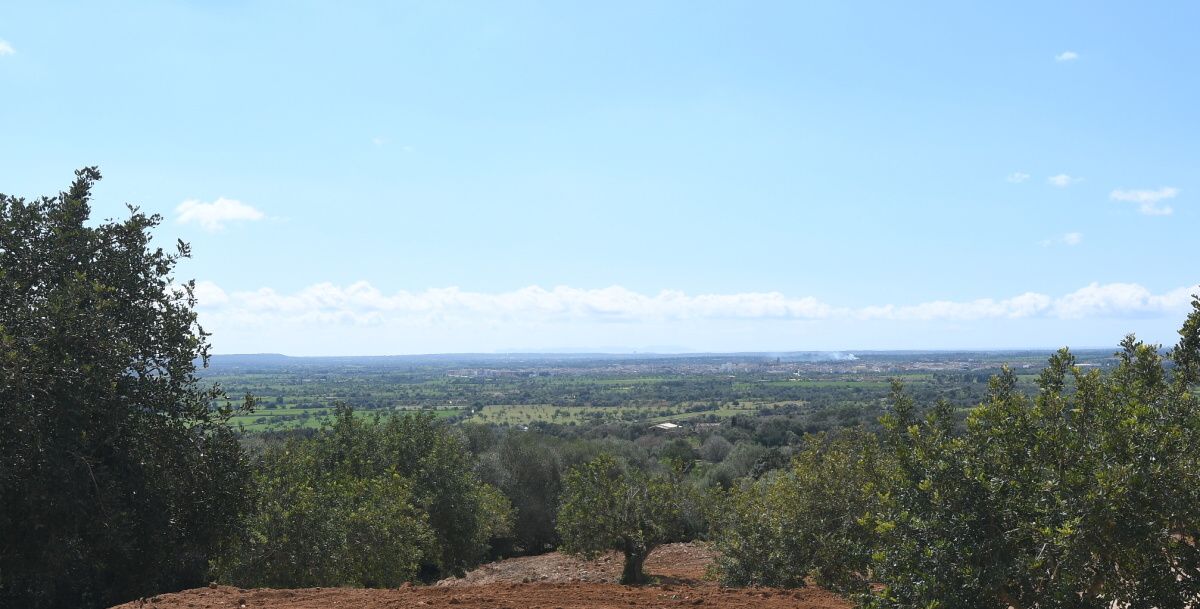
437, 177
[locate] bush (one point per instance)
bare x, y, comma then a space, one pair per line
1087, 495
446, 487
373, 502
715, 448
319, 527
805, 521
530, 472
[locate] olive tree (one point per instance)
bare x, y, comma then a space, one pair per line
606, 506
117, 477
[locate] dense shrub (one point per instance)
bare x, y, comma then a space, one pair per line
463, 512
317, 527
805, 521
529, 471
715, 448
370, 502
1087, 495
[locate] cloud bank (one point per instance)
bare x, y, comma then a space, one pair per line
360, 319
361, 303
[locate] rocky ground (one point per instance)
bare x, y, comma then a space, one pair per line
550, 581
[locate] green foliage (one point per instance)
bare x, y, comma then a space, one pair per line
715, 448
678, 454
527, 467
320, 526
495, 514
1084, 496
116, 478
445, 486
606, 506
367, 502
805, 521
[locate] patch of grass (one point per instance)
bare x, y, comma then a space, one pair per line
294, 418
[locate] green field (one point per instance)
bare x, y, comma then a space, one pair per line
310, 418
524, 414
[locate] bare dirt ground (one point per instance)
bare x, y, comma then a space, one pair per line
676, 563
550, 581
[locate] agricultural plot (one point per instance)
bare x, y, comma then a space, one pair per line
519, 414
311, 418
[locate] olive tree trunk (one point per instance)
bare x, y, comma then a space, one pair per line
635, 557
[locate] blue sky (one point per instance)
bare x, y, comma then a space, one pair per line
362, 178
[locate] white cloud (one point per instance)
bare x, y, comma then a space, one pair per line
1063, 180
1148, 200
1066, 56
209, 294
363, 304
213, 216
6, 48
1120, 300
1017, 177
1024, 305
379, 141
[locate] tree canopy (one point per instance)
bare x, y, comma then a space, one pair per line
806, 521
1084, 495
366, 502
606, 506
117, 478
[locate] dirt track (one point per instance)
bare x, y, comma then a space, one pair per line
551, 581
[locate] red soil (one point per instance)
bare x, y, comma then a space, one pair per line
551, 581
675, 563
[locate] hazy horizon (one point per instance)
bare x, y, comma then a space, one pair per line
629, 353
